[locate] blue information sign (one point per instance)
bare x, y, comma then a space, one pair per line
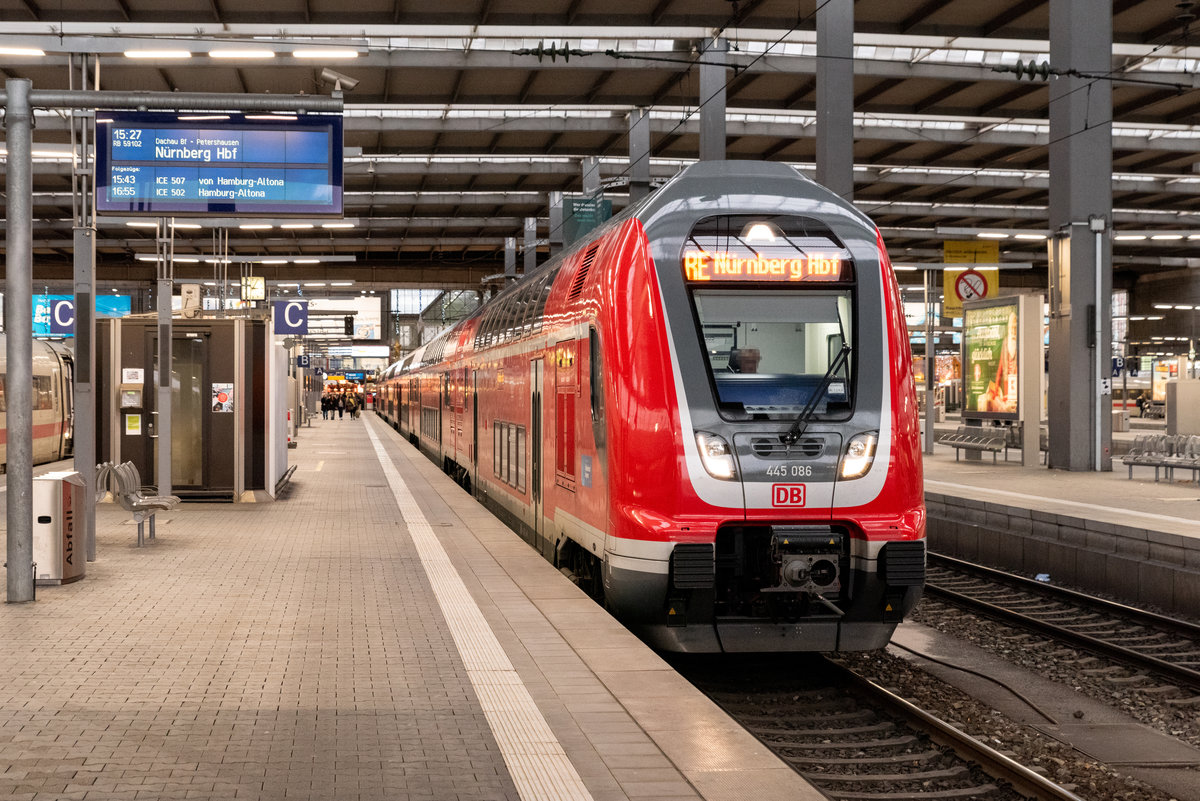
227, 164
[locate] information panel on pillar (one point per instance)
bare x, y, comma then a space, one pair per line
182, 164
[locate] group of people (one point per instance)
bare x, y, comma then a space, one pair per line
336, 404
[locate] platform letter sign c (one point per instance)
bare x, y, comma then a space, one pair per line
291, 316
62, 317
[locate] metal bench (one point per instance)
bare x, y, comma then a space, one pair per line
974, 439
125, 484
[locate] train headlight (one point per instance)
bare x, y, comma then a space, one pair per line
860, 453
716, 455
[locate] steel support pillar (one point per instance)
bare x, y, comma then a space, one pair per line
530, 261
162, 382
712, 100
83, 427
639, 154
18, 324
1081, 251
835, 97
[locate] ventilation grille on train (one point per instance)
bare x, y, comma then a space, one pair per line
772, 448
582, 273
903, 564
692, 566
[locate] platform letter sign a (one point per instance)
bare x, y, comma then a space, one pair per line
62, 317
291, 316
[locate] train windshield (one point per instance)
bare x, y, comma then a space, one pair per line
769, 350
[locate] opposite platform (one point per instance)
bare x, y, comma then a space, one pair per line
300, 649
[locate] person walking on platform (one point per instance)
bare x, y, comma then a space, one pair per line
352, 406
341, 406
324, 406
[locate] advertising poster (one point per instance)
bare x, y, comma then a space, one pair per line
990, 359
1164, 371
222, 397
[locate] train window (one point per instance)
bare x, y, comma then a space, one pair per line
769, 351
513, 455
3, 395
497, 429
43, 393
596, 375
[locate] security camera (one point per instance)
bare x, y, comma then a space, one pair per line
338, 80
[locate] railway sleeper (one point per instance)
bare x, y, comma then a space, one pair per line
857, 762
776, 734
977, 791
922, 775
861, 745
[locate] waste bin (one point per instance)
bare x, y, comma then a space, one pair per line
56, 548
1120, 420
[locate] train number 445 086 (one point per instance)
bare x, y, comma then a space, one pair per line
789, 470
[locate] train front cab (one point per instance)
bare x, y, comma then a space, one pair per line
800, 523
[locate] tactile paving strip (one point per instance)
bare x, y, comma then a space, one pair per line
538, 764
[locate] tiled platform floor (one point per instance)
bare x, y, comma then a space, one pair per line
295, 650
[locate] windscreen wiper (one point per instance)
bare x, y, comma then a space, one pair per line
797, 430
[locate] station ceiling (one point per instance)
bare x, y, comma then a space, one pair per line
454, 136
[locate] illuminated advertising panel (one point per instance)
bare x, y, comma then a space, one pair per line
218, 164
990, 359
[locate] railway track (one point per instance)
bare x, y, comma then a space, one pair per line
855, 740
1145, 641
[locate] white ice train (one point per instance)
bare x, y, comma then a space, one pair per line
53, 409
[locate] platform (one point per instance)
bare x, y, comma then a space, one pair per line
1137, 539
374, 635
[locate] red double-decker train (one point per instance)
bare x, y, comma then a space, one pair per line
704, 411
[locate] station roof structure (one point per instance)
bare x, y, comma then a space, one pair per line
455, 132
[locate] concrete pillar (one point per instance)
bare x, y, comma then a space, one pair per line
1080, 215
510, 257
713, 78
18, 324
530, 244
835, 97
591, 176
556, 223
639, 154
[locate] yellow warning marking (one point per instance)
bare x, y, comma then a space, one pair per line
671, 611
320, 464
887, 608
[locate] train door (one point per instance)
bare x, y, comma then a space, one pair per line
474, 444
190, 402
535, 448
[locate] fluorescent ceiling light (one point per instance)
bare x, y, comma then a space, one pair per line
21, 51
1129, 237
186, 260
180, 54
1163, 306
210, 283
315, 283
187, 226
134, 224
341, 283
147, 257
305, 261
287, 285
1031, 236
196, 117
295, 226
274, 261
1185, 307
991, 235
241, 53
337, 225
904, 269
325, 53
256, 227
1166, 237
271, 117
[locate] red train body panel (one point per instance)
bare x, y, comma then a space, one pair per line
705, 411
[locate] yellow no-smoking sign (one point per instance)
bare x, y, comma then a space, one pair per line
970, 283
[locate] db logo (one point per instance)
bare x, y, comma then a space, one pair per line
787, 494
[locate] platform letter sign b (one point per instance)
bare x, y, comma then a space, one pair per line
291, 316
62, 317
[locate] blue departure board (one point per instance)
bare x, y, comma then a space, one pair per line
192, 164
